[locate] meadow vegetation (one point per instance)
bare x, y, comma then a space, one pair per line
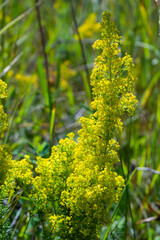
77, 161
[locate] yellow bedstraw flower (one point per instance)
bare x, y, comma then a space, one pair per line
76, 186
5, 162
3, 121
3, 89
89, 27
22, 171
26, 80
5, 154
3, 116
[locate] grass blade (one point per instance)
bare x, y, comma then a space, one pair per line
43, 81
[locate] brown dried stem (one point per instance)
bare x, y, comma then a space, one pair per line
43, 46
80, 42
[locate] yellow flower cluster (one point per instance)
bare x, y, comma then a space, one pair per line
5, 162
89, 27
26, 81
3, 116
5, 154
3, 89
11, 172
3, 121
66, 74
77, 184
75, 187
22, 172
52, 173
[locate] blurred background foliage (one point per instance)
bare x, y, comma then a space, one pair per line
46, 57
